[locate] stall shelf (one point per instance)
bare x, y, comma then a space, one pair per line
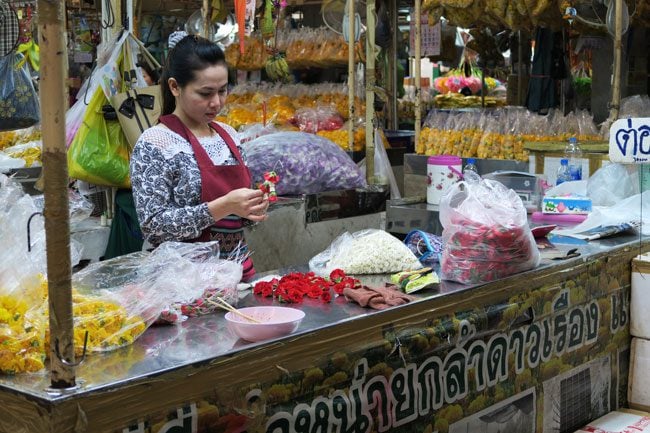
545, 350
545, 156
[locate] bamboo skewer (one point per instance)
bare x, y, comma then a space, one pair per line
226, 306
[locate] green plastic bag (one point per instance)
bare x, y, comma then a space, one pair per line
99, 152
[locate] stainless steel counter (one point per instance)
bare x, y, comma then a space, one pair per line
205, 340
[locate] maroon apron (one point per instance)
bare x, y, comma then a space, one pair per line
217, 181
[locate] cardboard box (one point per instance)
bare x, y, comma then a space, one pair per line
566, 205
621, 421
638, 389
640, 298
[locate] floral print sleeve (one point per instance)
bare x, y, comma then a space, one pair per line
166, 186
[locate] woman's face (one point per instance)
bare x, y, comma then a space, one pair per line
201, 100
147, 77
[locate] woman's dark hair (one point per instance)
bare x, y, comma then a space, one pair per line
189, 55
153, 72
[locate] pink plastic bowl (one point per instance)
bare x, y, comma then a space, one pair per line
276, 322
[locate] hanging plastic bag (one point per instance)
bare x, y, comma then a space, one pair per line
19, 107
99, 153
486, 233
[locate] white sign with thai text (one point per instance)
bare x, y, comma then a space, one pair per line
629, 141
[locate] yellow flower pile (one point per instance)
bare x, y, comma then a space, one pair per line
21, 337
498, 134
31, 155
340, 137
7, 139
24, 328
108, 324
245, 104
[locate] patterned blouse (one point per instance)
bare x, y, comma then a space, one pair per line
166, 183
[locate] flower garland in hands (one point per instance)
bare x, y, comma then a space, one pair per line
293, 287
271, 178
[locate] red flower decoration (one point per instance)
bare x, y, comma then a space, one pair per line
295, 286
337, 275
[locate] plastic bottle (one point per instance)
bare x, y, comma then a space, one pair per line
563, 173
470, 165
573, 154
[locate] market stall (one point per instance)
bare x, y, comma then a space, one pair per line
540, 351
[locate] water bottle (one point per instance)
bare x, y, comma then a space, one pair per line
563, 173
470, 171
573, 154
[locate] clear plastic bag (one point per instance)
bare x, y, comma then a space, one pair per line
139, 287
203, 277
306, 163
612, 183
22, 291
320, 118
486, 234
368, 251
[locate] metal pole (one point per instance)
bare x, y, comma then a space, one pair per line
51, 30
418, 71
370, 92
392, 68
520, 69
615, 105
351, 69
130, 14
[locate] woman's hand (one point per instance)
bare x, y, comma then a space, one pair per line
244, 202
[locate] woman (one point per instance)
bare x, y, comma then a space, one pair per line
188, 174
150, 74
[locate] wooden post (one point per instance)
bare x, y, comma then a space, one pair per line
370, 92
615, 105
51, 30
393, 121
351, 80
418, 71
207, 22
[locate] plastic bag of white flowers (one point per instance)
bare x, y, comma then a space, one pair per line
368, 251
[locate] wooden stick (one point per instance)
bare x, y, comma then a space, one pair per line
226, 306
351, 78
615, 104
417, 11
51, 30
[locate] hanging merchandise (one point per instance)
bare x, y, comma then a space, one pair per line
240, 13
82, 36
138, 108
9, 29
276, 67
99, 150
19, 107
548, 67
27, 45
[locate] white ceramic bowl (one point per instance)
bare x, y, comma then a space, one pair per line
276, 322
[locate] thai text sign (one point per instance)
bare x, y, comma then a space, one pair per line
629, 141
